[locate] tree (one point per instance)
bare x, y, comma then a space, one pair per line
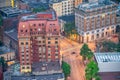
1, 20
109, 46
85, 52
3, 63
39, 9
91, 71
66, 69
118, 32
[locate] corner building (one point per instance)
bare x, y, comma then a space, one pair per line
38, 37
95, 20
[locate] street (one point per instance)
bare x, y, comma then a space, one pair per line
75, 60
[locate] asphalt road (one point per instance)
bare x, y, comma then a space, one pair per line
75, 60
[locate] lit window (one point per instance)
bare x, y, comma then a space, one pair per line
23, 26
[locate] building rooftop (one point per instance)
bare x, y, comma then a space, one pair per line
94, 5
40, 77
12, 12
40, 15
4, 50
69, 18
13, 34
107, 57
46, 67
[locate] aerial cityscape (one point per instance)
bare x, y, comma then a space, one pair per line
59, 39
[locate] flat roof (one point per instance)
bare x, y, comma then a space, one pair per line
40, 77
35, 16
46, 66
107, 57
4, 50
10, 10
94, 5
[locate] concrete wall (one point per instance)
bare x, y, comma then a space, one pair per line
109, 66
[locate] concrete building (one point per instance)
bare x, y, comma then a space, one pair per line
63, 7
7, 53
38, 37
108, 62
95, 20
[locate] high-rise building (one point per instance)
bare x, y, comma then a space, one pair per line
38, 37
95, 20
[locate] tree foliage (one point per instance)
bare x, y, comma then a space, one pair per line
69, 28
92, 71
1, 20
66, 69
85, 52
108, 46
118, 32
3, 63
39, 9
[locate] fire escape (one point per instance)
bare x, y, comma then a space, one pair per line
35, 50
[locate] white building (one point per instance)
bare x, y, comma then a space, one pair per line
62, 7
108, 62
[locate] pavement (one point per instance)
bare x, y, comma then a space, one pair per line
75, 60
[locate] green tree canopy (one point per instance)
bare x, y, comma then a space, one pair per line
69, 28
92, 71
85, 52
109, 46
3, 63
38, 9
1, 20
66, 69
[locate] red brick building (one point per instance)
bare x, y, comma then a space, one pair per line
38, 37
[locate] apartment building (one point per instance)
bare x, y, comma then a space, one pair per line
95, 20
62, 7
38, 37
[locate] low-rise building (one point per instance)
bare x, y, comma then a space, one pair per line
108, 62
10, 39
109, 65
7, 53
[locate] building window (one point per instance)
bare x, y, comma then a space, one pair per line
48, 42
56, 38
34, 24
56, 42
22, 43
23, 67
39, 24
54, 29
42, 24
25, 30
27, 67
48, 38
21, 30
26, 43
